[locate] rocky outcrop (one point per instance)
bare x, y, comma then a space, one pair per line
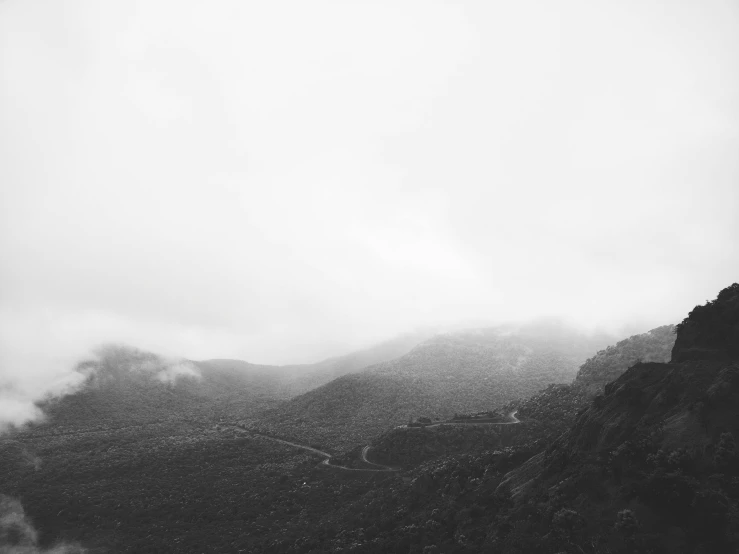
685, 404
711, 331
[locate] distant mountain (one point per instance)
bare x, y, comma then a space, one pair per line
457, 372
124, 385
307, 377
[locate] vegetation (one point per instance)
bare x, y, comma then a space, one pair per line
609, 364
170, 489
463, 372
408, 447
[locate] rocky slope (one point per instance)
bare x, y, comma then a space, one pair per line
659, 443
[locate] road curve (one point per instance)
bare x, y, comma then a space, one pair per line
365, 450
512, 416
326, 456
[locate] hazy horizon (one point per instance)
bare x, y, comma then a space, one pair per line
283, 182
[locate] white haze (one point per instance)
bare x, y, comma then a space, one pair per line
283, 181
14, 522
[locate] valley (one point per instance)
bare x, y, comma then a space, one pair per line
215, 463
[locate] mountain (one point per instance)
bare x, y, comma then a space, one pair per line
457, 372
654, 455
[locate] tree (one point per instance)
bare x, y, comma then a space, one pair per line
725, 456
627, 525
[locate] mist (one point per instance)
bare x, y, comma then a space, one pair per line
283, 182
17, 530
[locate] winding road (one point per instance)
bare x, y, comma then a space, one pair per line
326, 456
380, 467
512, 416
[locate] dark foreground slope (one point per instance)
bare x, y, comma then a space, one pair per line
165, 488
651, 465
136, 461
460, 372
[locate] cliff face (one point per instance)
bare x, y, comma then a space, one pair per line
710, 331
687, 402
660, 440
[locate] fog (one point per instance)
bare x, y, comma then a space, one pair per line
285, 181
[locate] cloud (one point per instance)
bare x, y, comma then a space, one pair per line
16, 411
72, 369
117, 359
171, 372
18, 536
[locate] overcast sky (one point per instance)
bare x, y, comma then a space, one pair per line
280, 181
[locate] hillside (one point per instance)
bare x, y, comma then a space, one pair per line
659, 444
609, 364
553, 410
459, 372
548, 413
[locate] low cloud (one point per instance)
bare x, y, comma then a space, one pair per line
177, 369
18, 535
19, 397
113, 359
16, 411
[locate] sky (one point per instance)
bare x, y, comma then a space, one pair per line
284, 181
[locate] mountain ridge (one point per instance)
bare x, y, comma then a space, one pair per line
456, 372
